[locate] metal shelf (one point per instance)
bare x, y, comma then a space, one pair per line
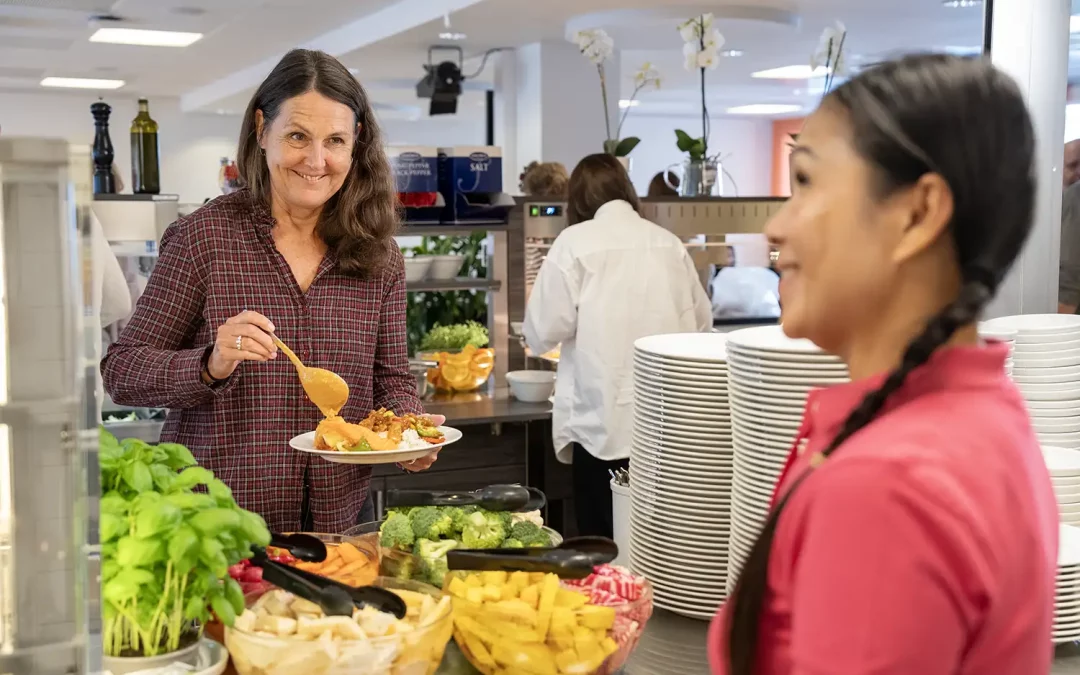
464, 284
451, 229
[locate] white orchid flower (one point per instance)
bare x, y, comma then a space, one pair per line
595, 44
714, 40
646, 76
708, 58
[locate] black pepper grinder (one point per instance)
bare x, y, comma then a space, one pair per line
102, 152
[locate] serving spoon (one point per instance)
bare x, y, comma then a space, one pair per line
325, 388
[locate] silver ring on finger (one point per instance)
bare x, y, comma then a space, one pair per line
239, 343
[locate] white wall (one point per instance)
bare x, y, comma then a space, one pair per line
190, 145
747, 143
443, 130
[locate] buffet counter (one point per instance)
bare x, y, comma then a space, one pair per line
475, 408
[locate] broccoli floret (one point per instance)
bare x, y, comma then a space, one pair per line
432, 556
403, 510
396, 532
483, 531
460, 514
512, 543
506, 517
530, 534
428, 522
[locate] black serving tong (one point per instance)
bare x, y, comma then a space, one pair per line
575, 558
491, 498
333, 597
301, 546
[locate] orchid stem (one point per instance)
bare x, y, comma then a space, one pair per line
603, 95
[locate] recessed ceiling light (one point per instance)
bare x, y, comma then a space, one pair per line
953, 4
145, 38
732, 53
451, 36
800, 72
626, 103
764, 109
81, 83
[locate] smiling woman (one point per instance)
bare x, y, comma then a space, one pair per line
304, 253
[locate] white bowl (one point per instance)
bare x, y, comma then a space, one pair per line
445, 267
531, 386
417, 267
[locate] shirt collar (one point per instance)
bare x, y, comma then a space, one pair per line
614, 208
953, 368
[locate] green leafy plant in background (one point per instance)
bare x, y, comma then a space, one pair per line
455, 337
165, 548
429, 309
694, 147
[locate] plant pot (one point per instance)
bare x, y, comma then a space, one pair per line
122, 665
626, 162
698, 178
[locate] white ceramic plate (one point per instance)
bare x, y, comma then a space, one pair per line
306, 443
706, 347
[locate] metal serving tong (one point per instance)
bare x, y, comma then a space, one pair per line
333, 597
301, 546
575, 558
491, 498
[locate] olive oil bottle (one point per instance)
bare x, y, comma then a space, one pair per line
145, 172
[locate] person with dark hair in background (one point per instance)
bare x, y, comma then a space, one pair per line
304, 252
609, 279
658, 187
1069, 253
914, 529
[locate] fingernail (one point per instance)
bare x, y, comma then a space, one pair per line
273, 355
272, 329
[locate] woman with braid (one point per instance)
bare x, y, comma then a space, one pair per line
914, 529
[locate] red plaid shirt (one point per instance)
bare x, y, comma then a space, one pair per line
214, 264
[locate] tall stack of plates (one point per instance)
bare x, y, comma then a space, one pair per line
1067, 588
681, 464
770, 378
1064, 466
1046, 368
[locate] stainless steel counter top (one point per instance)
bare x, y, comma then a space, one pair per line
485, 408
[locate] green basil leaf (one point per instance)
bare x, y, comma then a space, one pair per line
156, 519
178, 456
212, 521
137, 448
111, 527
137, 476
220, 492
192, 476
109, 569
164, 477
234, 594
190, 501
195, 609
182, 542
253, 527
132, 552
106, 441
115, 504
125, 585
223, 608
212, 553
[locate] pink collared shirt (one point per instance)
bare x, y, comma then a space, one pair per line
926, 545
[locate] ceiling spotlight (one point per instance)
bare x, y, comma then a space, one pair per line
732, 53
956, 4
447, 35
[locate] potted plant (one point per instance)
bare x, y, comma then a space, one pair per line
597, 46
165, 553
701, 49
829, 55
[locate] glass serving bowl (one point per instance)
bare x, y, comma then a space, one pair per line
490, 646
338, 568
417, 652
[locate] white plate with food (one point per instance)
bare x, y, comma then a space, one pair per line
381, 438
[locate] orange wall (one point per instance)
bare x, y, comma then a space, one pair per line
781, 141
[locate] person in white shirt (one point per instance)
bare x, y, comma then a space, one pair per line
609, 279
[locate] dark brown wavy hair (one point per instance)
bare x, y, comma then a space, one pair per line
359, 221
597, 180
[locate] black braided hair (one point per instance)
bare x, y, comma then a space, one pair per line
908, 118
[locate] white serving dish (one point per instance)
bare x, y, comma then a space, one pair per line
445, 267
417, 268
531, 386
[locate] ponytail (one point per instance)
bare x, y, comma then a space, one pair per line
751, 591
